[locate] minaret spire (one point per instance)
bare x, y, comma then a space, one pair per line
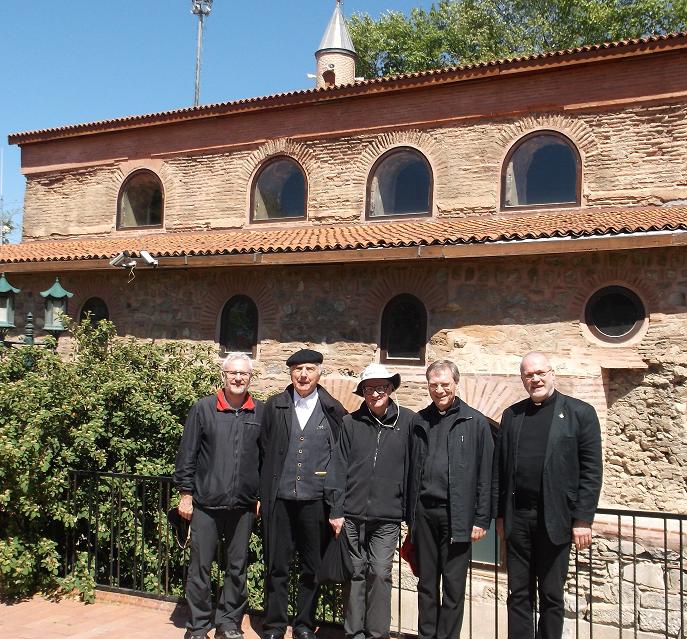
336, 54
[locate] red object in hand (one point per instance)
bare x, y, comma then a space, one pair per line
408, 554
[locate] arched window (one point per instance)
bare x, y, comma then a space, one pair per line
400, 183
543, 168
238, 330
279, 191
97, 308
140, 201
614, 314
404, 330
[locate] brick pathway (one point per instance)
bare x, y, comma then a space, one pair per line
111, 617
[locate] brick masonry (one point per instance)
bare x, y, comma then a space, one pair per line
484, 314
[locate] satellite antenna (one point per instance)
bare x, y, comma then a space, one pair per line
200, 8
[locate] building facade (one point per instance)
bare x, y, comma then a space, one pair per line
474, 213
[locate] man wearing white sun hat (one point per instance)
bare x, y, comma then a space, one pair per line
365, 490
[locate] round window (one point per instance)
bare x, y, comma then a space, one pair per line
615, 314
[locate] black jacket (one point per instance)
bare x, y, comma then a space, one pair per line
276, 433
218, 460
573, 466
369, 470
470, 455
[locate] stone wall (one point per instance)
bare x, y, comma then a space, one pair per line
482, 313
208, 190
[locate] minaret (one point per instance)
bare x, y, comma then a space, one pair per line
336, 55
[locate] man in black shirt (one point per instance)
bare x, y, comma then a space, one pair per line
449, 504
217, 475
547, 481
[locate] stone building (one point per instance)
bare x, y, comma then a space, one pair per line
474, 213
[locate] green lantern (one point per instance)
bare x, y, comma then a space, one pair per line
7, 293
55, 306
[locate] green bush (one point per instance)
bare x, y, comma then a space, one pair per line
114, 405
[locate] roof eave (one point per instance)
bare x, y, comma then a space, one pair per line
672, 42
541, 246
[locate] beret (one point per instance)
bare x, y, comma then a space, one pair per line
304, 356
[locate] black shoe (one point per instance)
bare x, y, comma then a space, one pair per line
272, 635
305, 633
234, 633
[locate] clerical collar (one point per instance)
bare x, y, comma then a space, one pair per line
549, 400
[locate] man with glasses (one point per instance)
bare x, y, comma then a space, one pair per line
449, 499
217, 475
300, 431
366, 493
547, 481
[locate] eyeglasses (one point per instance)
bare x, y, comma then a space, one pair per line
434, 387
240, 374
540, 374
380, 390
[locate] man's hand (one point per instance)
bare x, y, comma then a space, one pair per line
186, 506
337, 525
477, 533
500, 530
582, 534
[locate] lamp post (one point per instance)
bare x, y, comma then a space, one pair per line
7, 293
200, 8
56, 298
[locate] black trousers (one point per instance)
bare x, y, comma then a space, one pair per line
303, 527
207, 527
535, 565
439, 561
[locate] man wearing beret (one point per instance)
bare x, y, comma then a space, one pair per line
300, 431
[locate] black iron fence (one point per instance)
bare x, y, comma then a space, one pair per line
630, 583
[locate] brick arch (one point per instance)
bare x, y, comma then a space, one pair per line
431, 148
223, 288
578, 131
124, 169
490, 395
281, 146
396, 282
100, 287
612, 276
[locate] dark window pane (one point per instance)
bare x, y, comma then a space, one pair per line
541, 170
97, 308
279, 191
615, 311
400, 185
140, 203
404, 327
239, 325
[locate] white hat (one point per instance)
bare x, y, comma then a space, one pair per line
377, 371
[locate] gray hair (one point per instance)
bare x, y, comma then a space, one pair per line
234, 356
443, 364
538, 354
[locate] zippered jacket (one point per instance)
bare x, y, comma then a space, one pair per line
218, 461
369, 470
470, 454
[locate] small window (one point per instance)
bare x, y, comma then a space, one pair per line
615, 314
239, 326
400, 184
404, 330
97, 308
140, 201
279, 191
541, 170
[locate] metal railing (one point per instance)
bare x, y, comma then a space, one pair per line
630, 583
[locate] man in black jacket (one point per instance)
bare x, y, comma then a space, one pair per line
547, 481
300, 431
366, 493
449, 499
217, 474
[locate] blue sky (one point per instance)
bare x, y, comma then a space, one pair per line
65, 62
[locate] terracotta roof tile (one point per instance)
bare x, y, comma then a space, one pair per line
222, 108
566, 223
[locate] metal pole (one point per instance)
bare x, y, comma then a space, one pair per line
199, 47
